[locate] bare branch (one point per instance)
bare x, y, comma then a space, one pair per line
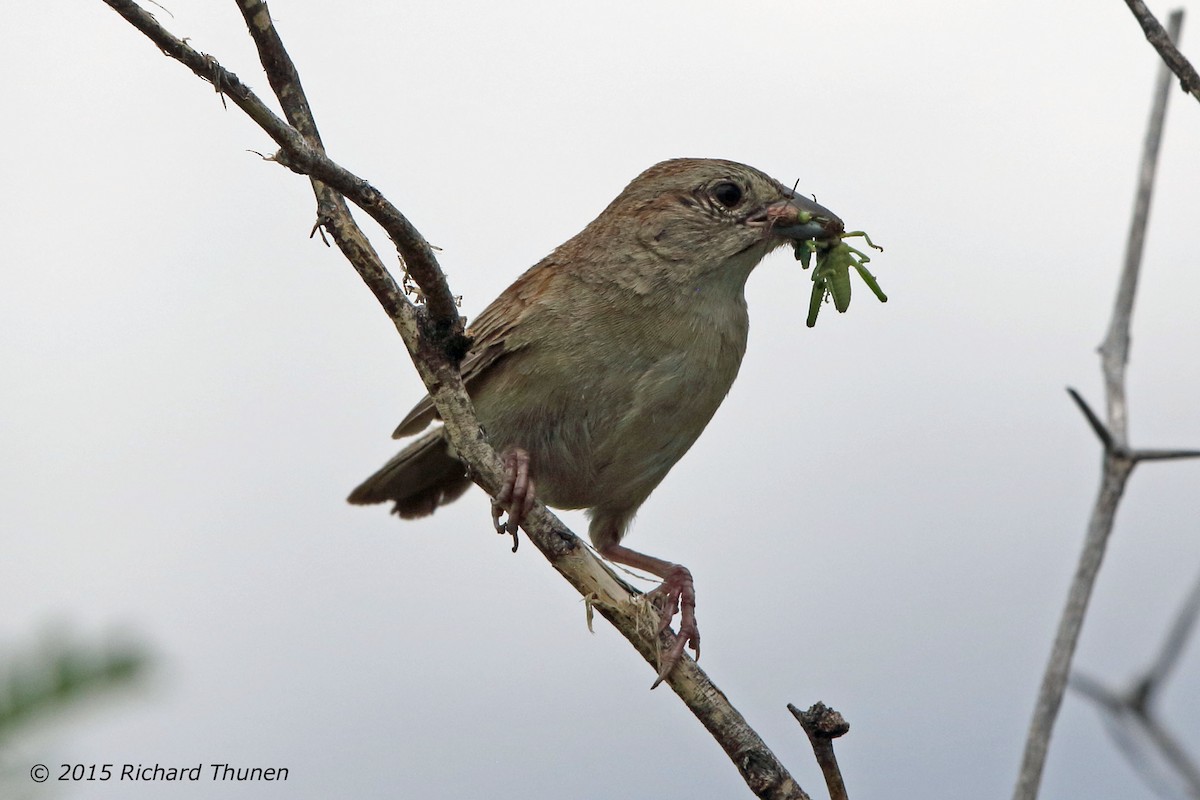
1095, 691
1037, 744
1182, 765
298, 155
1146, 744
1131, 718
281, 72
1172, 646
1114, 351
1118, 463
1166, 43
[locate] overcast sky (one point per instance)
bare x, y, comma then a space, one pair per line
884, 514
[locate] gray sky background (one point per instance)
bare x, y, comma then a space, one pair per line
884, 515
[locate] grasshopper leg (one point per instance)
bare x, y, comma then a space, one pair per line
870, 281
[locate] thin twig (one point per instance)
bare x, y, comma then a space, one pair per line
1145, 742
1114, 350
1116, 473
1162, 455
1095, 691
1184, 767
297, 154
1131, 716
1166, 45
1168, 656
1141, 699
1117, 464
301, 151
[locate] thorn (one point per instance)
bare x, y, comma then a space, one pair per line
1097, 426
1162, 455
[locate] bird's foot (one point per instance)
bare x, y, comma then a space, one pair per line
676, 593
516, 495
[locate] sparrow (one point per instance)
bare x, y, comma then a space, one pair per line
597, 369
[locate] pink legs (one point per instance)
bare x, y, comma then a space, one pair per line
675, 593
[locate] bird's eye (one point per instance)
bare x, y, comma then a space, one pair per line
727, 194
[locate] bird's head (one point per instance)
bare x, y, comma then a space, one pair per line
702, 215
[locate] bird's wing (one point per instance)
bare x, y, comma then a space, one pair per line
494, 335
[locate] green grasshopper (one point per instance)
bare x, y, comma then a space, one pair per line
831, 278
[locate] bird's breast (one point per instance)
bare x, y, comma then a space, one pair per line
609, 405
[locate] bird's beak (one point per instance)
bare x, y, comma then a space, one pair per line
798, 218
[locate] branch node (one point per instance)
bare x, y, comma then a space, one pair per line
822, 721
368, 194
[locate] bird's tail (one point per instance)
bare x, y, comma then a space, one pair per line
420, 478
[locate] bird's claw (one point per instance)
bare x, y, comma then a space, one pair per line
516, 495
676, 593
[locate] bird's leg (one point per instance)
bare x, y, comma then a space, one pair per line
516, 495
675, 593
